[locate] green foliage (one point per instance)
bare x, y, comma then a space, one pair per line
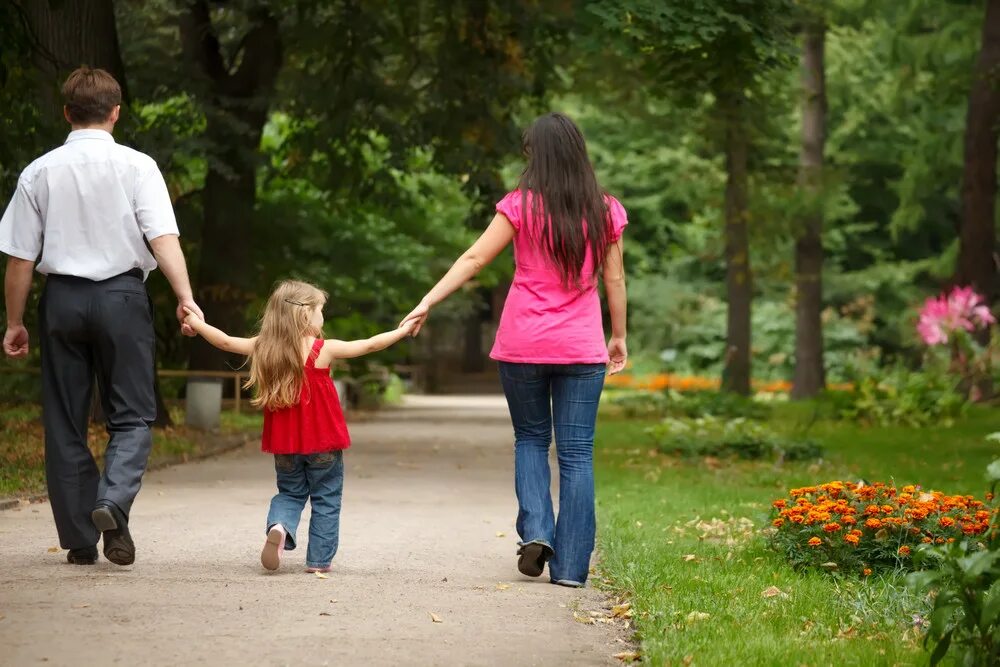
740, 438
963, 579
692, 404
902, 397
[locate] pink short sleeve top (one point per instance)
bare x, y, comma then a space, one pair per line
543, 321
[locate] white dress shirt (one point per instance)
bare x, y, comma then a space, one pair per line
85, 208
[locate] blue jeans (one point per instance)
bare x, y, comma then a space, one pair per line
318, 478
564, 396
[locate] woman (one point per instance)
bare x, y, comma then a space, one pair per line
550, 342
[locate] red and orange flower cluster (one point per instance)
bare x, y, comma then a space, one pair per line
870, 524
686, 383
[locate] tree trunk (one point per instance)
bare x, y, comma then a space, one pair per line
236, 96
66, 35
810, 376
977, 256
739, 284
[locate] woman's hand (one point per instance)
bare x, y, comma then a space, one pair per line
618, 353
416, 318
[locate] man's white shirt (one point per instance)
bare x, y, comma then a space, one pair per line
85, 208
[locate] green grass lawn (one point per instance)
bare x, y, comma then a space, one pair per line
675, 539
22, 448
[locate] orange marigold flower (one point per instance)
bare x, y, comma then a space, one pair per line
946, 522
904, 551
814, 542
848, 520
779, 504
778, 523
867, 571
888, 509
872, 509
940, 540
851, 538
983, 515
873, 523
927, 540
831, 527
909, 488
857, 532
951, 540
796, 518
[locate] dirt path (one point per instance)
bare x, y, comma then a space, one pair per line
429, 488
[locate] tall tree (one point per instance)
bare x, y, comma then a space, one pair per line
236, 93
977, 258
696, 48
809, 378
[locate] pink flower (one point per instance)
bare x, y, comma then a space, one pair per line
961, 309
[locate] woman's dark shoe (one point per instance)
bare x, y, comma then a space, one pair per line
118, 545
532, 558
83, 556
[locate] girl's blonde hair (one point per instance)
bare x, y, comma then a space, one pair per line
276, 368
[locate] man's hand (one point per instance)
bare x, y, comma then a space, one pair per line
185, 307
618, 353
15, 341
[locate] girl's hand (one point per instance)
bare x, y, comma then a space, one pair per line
618, 352
417, 317
191, 318
408, 326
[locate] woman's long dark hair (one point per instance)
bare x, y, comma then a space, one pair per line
567, 203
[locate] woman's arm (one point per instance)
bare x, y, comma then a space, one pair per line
614, 290
349, 349
217, 337
496, 237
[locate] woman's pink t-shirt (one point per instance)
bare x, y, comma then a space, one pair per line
544, 322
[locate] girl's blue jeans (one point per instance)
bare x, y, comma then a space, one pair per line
563, 397
318, 478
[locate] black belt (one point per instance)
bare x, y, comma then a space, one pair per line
131, 273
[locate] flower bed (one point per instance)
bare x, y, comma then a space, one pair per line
685, 383
862, 527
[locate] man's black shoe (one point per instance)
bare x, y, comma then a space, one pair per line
118, 545
83, 556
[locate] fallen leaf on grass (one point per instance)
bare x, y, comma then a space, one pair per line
580, 618
53, 550
320, 575
435, 618
696, 616
627, 656
622, 610
829, 566
773, 592
690, 557
688, 659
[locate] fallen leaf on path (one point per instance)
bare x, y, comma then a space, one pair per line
333, 601
627, 656
502, 587
500, 533
320, 575
696, 616
773, 592
580, 618
435, 618
81, 606
53, 550
325, 613
690, 557
2, 617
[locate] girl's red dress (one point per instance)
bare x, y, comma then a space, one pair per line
315, 424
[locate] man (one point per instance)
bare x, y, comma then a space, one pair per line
86, 210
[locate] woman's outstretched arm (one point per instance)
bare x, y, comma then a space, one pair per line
614, 290
496, 237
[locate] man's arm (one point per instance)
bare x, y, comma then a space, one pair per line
17, 284
170, 257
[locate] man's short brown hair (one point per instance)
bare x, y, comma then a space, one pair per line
91, 95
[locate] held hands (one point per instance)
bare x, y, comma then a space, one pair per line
408, 326
185, 309
416, 318
191, 319
15, 341
618, 352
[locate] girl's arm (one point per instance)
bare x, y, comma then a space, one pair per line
496, 237
614, 291
349, 349
217, 337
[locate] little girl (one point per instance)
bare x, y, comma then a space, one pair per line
304, 424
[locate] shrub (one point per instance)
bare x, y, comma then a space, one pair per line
694, 404
963, 579
901, 398
862, 527
740, 438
